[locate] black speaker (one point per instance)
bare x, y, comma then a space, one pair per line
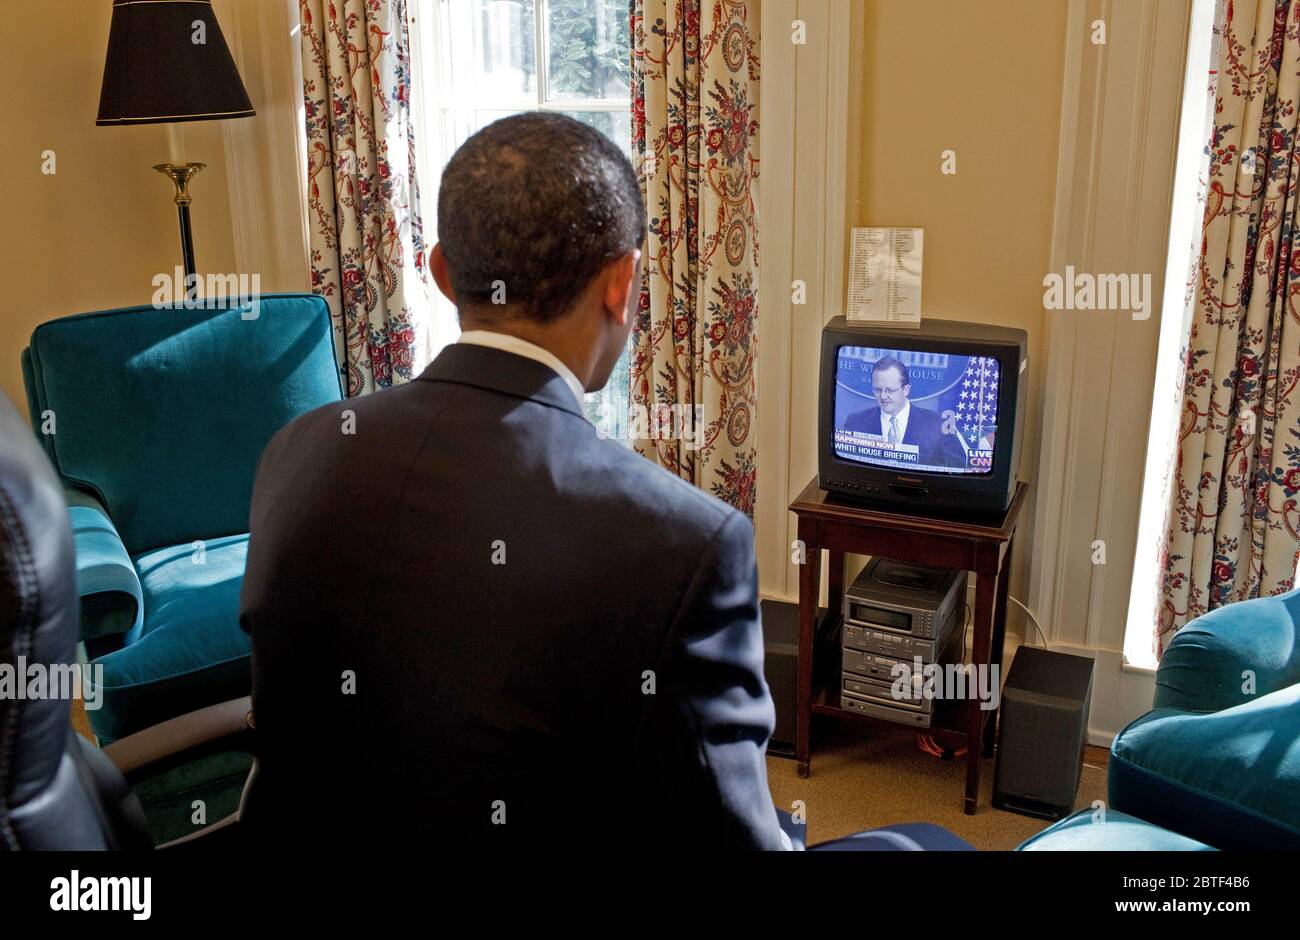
781, 668
1043, 727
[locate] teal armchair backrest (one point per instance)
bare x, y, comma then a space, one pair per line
164, 413
1232, 655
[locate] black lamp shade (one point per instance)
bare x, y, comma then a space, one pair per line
156, 73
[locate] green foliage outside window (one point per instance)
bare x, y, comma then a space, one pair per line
590, 48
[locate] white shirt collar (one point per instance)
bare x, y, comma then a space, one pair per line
521, 347
902, 417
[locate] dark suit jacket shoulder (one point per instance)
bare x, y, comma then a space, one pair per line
533, 616
866, 421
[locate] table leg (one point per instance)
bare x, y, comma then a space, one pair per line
986, 571
835, 577
999, 641
809, 588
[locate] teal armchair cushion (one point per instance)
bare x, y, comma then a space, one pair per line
163, 413
1111, 831
1229, 778
189, 651
112, 600
1204, 668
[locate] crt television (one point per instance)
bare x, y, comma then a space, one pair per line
925, 418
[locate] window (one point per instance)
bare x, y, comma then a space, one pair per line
1191, 171
477, 61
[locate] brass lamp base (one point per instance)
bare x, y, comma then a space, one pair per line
180, 174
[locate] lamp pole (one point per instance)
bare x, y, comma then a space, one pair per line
181, 174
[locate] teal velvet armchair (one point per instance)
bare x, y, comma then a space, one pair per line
155, 419
1218, 758
1216, 763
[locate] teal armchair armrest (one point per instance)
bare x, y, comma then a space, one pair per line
1232, 655
112, 600
1226, 778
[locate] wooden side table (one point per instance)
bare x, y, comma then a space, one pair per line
979, 544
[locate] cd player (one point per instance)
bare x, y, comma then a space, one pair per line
870, 684
901, 601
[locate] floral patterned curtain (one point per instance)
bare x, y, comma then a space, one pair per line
695, 139
367, 244
1233, 528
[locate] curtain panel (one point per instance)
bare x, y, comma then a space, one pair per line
363, 198
695, 84
1233, 523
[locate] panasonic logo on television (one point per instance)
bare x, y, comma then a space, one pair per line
105, 893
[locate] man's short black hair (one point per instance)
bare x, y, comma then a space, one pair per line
531, 208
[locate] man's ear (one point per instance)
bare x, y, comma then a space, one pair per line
441, 274
620, 280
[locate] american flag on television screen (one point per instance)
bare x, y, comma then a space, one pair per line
977, 404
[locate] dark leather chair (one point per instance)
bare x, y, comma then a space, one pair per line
57, 791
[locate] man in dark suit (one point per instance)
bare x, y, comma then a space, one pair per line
896, 421
471, 617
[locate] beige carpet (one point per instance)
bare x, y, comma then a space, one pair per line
868, 775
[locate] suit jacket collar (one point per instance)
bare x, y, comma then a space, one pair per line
499, 371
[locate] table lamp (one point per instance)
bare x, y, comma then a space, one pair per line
167, 62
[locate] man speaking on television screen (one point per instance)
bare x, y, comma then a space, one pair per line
897, 422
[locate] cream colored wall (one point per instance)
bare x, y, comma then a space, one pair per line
95, 233
983, 80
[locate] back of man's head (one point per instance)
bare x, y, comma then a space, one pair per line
530, 210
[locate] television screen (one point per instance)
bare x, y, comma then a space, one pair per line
916, 411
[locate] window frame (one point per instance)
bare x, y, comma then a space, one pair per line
430, 33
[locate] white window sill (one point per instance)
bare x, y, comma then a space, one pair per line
1140, 668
